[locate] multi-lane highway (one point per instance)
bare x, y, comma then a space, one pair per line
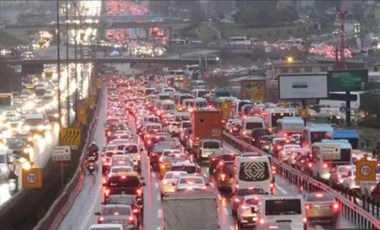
81, 214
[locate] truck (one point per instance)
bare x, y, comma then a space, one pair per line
206, 124
190, 210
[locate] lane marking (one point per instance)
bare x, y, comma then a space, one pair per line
225, 211
160, 213
283, 191
205, 174
159, 197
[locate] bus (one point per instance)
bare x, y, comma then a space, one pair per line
271, 116
315, 133
6, 100
239, 104
338, 100
287, 126
243, 40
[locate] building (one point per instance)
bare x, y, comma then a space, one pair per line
297, 67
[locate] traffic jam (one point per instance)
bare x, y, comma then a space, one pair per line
181, 135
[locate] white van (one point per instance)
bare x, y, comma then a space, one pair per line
167, 106
287, 126
198, 84
252, 171
248, 124
199, 92
207, 147
282, 208
188, 104
36, 123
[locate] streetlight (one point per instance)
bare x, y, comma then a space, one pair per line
289, 59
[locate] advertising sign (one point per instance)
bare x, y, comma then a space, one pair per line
253, 90
305, 86
348, 80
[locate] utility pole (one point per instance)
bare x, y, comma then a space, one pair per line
67, 64
75, 60
59, 68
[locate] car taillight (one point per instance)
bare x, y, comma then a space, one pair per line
131, 220
223, 176
279, 147
107, 192
262, 221
310, 165
335, 206
245, 207
135, 210
304, 220
325, 165
138, 192
237, 200
101, 220
307, 206
274, 169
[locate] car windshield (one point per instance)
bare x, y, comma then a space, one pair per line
168, 107
121, 170
253, 125
121, 200
108, 211
131, 149
174, 175
186, 124
123, 181
253, 191
211, 145
252, 201
188, 169
191, 181
313, 197
279, 207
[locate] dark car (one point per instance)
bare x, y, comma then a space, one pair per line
256, 134
217, 157
126, 199
235, 129
224, 175
156, 151
19, 147
124, 184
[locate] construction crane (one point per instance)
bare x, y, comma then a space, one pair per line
340, 59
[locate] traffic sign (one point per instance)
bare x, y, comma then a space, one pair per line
330, 152
70, 136
61, 153
366, 170
32, 178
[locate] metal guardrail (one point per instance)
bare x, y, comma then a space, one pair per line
353, 212
61, 206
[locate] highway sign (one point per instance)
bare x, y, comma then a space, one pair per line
61, 153
32, 178
366, 170
330, 152
348, 80
70, 136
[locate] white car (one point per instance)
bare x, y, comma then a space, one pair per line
297, 152
246, 212
194, 183
287, 150
168, 183
117, 170
173, 128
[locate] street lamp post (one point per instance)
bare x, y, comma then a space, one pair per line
67, 64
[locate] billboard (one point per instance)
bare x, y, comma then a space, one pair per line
303, 86
348, 80
254, 90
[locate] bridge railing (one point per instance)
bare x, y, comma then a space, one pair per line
351, 211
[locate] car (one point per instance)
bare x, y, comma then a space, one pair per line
167, 161
321, 206
157, 149
131, 200
169, 181
217, 157
340, 172
118, 214
193, 183
120, 170
224, 175
240, 194
286, 151
296, 153
187, 166
246, 213
124, 184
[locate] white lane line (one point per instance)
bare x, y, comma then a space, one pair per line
219, 197
205, 174
160, 213
225, 211
156, 185
159, 197
283, 191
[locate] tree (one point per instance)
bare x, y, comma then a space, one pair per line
10, 81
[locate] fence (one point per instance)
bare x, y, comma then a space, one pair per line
365, 216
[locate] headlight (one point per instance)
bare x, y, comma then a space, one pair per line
30, 139
40, 127
56, 115
27, 128
4, 169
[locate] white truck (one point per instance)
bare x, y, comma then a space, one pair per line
191, 210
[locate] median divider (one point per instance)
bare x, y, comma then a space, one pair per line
353, 212
63, 203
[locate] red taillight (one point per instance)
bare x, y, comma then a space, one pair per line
107, 192
325, 165
223, 176
335, 206
131, 220
116, 213
304, 220
279, 147
221, 163
262, 221
237, 200
101, 220
139, 192
245, 207
135, 210
307, 206
310, 165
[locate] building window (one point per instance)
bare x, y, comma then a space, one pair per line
323, 69
284, 70
308, 70
296, 70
